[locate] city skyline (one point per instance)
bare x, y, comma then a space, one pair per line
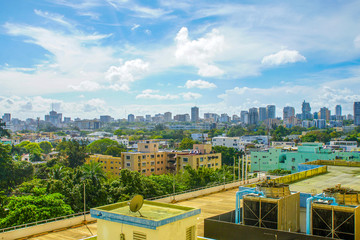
120, 57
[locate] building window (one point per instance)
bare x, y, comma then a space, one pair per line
209, 165
185, 159
143, 156
144, 170
216, 164
127, 157
158, 162
306, 160
111, 167
146, 146
144, 164
128, 164
158, 155
152, 163
152, 156
201, 159
158, 169
201, 165
153, 170
293, 168
293, 159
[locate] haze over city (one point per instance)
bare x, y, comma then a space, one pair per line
120, 57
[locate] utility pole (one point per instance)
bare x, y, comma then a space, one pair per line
234, 168
84, 202
239, 168
242, 175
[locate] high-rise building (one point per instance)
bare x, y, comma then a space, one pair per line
288, 112
357, 113
271, 111
213, 117
253, 116
182, 117
306, 111
167, 117
148, 118
262, 114
194, 114
54, 118
224, 118
244, 117
6, 117
131, 118
106, 119
338, 112
324, 113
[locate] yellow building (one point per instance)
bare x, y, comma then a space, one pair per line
159, 221
145, 163
109, 163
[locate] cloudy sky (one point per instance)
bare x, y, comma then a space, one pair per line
116, 57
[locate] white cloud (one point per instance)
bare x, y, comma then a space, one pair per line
283, 57
149, 94
120, 77
201, 52
135, 26
357, 42
53, 17
87, 86
190, 96
199, 84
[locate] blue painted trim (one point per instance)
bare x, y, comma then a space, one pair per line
140, 222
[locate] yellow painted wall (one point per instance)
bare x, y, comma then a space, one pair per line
107, 230
145, 163
199, 160
109, 163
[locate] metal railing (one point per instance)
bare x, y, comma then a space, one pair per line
197, 189
43, 221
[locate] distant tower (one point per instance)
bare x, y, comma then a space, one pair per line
338, 112
357, 113
271, 111
131, 118
288, 112
262, 114
253, 116
194, 114
306, 111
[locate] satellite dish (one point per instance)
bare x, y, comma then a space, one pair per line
136, 203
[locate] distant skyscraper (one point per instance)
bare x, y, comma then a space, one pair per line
106, 119
306, 111
262, 114
271, 111
54, 118
6, 117
357, 113
167, 117
244, 117
194, 114
324, 113
131, 118
338, 111
253, 116
288, 112
148, 118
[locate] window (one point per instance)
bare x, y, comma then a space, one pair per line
144, 164
293, 159
293, 168
153, 170
216, 164
201, 165
201, 159
144, 170
146, 146
152, 163
158, 169
111, 167
158, 162
263, 156
128, 157
185, 159
209, 165
158, 155
128, 164
162, 161
152, 156
306, 160
143, 156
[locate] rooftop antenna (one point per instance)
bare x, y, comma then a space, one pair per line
136, 204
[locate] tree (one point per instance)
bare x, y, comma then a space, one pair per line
76, 153
3, 131
115, 151
100, 146
94, 172
6, 168
186, 143
46, 146
228, 154
26, 209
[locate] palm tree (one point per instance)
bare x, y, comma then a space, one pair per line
57, 173
94, 172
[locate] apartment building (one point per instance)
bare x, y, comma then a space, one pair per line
109, 163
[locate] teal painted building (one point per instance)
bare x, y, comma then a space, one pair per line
289, 160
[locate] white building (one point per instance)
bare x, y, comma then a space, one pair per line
233, 142
250, 139
346, 146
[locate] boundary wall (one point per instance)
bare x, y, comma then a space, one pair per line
45, 227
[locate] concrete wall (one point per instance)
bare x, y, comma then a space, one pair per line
206, 191
45, 227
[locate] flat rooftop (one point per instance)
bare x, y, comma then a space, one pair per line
346, 176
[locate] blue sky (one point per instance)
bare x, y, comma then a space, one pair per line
116, 57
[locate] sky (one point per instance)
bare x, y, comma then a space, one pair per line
88, 58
